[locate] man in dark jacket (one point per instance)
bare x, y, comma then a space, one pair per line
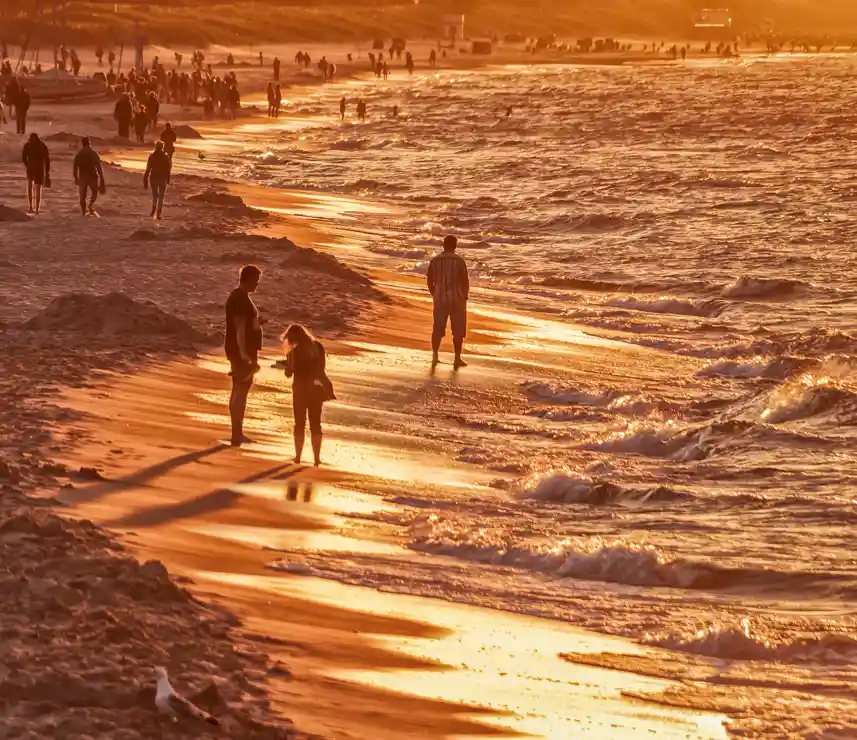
157, 176
37, 162
22, 107
123, 113
88, 176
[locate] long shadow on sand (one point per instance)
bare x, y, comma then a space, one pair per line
218, 500
138, 479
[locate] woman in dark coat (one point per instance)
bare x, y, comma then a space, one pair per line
305, 364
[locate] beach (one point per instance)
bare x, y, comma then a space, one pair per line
591, 529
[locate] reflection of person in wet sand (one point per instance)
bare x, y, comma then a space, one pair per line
305, 364
449, 286
243, 342
299, 491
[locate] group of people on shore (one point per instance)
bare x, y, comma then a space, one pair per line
14, 95
306, 360
142, 93
88, 173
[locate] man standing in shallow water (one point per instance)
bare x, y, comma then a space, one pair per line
243, 342
449, 286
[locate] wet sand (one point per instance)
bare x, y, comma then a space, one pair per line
360, 661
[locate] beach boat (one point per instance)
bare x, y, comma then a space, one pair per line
57, 85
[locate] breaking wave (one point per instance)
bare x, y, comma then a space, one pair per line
768, 288
746, 641
664, 305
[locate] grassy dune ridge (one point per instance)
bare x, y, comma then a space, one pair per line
195, 22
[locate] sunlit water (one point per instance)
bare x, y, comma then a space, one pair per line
705, 211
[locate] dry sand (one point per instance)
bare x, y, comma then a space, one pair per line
110, 419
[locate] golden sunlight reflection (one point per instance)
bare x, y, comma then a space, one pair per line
509, 664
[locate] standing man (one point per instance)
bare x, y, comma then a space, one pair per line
88, 176
342, 104
243, 342
22, 107
449, 286
276, 66
158, 176
37, 162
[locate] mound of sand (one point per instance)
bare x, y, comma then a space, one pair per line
310, 259
218, 198
112, 314
8, 214
184, 131
82, 626
241, 258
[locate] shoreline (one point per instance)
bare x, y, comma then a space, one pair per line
443, 714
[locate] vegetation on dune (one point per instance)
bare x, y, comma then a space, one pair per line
199, 23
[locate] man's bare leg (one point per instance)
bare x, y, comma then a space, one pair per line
458, 344
38, 197
29, 196
237, 409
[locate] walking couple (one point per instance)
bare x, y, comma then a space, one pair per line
305, 364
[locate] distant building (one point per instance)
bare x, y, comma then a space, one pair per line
713, 23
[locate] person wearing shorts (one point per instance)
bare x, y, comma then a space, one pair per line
37, 162
449, 285
243, 343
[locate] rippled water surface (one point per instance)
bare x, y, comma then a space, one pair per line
707, 212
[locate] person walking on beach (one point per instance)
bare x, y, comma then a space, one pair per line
311, 388
123, 113
449, 285
141, 122
276, 66
361, 110
88, 176
342, 104
158, 170
169, 138
243, 342
270, 94
22, 107
37, 162
278, 101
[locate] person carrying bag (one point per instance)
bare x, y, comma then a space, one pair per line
311, 388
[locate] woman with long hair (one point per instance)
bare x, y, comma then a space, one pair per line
305, 364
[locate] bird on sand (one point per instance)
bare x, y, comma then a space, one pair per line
174, 704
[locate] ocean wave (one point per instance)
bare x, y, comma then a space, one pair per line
560, 393
680, 443
571, 488
598, 559
362, 143
703, 308
746, 641
777, 368
764, 288
808, 395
